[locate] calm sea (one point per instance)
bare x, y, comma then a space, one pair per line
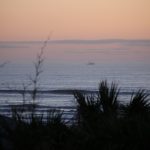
73, 64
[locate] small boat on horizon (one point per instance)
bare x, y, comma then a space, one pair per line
90, 63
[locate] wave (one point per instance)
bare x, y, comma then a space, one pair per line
62, 91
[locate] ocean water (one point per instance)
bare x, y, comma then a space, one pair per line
73, 65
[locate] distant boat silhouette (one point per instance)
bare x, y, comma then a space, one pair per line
90, 63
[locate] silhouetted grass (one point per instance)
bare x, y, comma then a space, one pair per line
101, 122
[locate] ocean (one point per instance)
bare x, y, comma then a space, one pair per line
72, 65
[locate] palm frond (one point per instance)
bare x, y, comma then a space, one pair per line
108, 96
139, 104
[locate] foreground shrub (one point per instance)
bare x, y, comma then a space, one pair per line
101, 122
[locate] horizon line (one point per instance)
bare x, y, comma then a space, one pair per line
78, 41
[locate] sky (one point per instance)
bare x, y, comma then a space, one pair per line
25, 20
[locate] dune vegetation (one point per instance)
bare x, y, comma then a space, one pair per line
101, 122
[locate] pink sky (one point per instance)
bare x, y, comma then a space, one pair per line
74, 19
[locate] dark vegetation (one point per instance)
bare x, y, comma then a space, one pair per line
101, 122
